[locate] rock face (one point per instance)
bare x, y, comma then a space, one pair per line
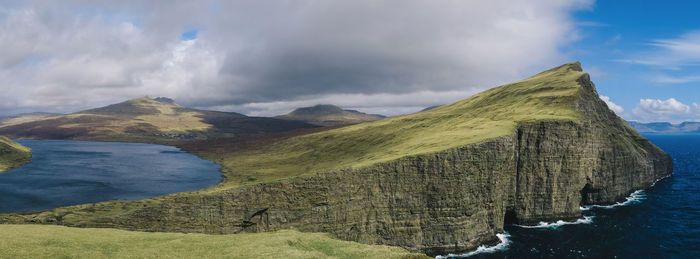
448, 201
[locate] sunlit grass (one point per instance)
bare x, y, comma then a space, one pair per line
34, 241
12, 154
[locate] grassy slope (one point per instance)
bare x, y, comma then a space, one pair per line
12, 154
490, 114
493, 113
32, 241
145, 120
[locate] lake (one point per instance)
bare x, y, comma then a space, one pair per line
660, 222
64, 173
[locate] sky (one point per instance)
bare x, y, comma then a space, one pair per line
265, 57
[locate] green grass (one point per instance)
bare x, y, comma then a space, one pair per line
34, 241
550, 95
12, 154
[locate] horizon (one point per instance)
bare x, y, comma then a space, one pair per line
71, 56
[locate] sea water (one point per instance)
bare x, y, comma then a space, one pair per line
662, 221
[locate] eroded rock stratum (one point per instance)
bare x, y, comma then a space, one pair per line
447, 201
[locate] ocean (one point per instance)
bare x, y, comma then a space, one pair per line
662, 221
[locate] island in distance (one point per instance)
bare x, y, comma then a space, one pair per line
687, 127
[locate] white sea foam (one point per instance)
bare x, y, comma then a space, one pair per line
559, 223
582, 208
503, 244
636, 197
657, 180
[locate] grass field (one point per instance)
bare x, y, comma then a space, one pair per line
12, 154
34, 241
491, 114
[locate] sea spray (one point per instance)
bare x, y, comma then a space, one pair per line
636, 197
483, 249
559, 223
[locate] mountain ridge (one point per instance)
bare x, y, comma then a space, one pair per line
147, 120
441, 181
329, 115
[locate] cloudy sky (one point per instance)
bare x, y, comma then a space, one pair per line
264, 58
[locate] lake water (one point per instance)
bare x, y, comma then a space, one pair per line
660, 222
66, 173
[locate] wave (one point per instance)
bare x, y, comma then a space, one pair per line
559, 223
657, 180
636, 197
483, 249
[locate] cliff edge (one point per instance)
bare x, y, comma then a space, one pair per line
12, 154
439, 181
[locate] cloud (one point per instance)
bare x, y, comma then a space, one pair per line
672, 54
666, 79
670, 110
259, 56
616, 108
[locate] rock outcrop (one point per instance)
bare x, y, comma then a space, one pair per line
447, 201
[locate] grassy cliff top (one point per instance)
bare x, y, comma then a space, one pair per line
27, 241
12, 154
550, 95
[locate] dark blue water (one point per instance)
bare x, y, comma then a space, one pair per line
66, 173
660, 222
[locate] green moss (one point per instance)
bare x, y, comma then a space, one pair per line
12, 154
32, 241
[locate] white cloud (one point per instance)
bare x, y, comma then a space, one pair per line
261, 55
666, 79
616, 108
672, 54
670, 110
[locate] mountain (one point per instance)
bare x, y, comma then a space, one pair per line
25, 117
440, 181
12, 154
145, 119
666, 127
430, 108
329, 115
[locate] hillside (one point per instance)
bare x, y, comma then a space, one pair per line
667, 128
439, 181
24, 241
329, 115
25, 117
12, 154
146, 120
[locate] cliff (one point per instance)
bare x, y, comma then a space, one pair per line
12, 154
444, 180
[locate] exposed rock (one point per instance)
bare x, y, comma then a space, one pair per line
448, 201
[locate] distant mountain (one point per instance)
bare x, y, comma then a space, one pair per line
25, 117
329, 115
145, 119
665, 127
430, 108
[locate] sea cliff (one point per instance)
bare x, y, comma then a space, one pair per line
542, 168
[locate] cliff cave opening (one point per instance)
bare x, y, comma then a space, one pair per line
511, 217
584, 194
